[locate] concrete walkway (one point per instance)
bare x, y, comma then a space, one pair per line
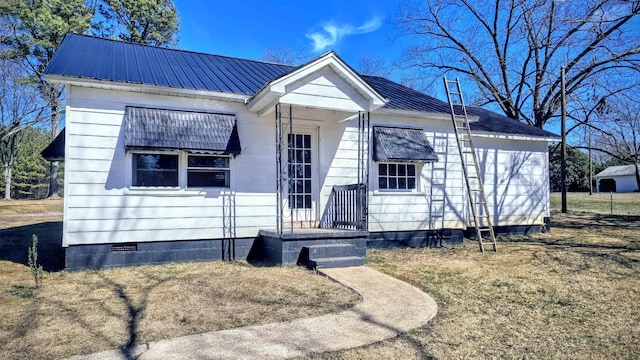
389, 307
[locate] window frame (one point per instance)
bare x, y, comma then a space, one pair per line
182, 187
417, 167
226, 170
133, 171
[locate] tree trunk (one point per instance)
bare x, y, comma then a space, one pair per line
53, 179
7, 182
53, 168
637, 174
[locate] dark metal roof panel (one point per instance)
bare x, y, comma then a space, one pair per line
147, 128
493, 122
88, 57
399, 144
404, 98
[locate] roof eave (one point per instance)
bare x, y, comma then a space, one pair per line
144, 88
420, 114
509, 136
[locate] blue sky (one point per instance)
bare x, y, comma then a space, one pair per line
248, 28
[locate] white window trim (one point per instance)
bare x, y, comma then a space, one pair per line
181, 189
377, 191
186, 171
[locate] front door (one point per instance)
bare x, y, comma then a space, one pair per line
301, 172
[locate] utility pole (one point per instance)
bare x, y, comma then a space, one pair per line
590, 166
563, 152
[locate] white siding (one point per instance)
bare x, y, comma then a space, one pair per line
393, 211
623, 183
324, 89
100, 208
515, 174
516, 180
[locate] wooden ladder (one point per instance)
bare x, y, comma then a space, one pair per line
437, 195
470, 168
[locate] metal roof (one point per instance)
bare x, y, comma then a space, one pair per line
91, 58
493, 122
400, 144
404, 98
621, 170
147, 128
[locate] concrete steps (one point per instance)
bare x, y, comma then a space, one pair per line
336, 262
328, 256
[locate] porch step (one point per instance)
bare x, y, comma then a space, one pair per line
331, 256
336, 262
331, 251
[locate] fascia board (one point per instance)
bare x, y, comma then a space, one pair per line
142, 88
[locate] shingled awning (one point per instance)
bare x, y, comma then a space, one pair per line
198, 132
401, 145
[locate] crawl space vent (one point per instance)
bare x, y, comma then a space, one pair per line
124, 247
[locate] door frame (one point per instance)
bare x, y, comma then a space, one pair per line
305, 217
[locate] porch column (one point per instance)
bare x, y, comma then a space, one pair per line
281, 166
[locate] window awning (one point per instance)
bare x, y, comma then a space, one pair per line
55, 150
401, 145
197, 132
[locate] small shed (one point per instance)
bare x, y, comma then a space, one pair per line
617, 179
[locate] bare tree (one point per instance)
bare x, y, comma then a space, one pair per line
373, 66
617, 132
512, 50
20, 108
36, 30
284, 55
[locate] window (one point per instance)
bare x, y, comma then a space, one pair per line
299, 160
155, 170
207, 171
396, 176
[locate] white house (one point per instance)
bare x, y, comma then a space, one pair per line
617, 179
173, 155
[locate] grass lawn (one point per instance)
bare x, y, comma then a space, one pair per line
600, 203
89, 311
569, 294
19, 219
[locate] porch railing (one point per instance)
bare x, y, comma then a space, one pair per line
346, 208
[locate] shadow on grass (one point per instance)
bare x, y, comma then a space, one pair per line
134, 310
580, 220
15, 242
623, 253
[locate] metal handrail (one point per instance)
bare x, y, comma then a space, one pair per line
346, 208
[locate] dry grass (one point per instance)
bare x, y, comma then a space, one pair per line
600, 203
84, 312
570, 294
19, 219
30, 207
